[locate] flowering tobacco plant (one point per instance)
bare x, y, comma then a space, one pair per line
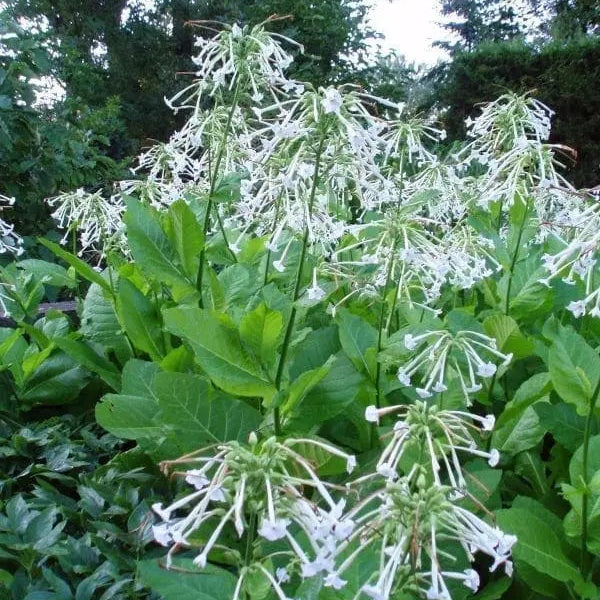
260, 489
304, 277
10, 241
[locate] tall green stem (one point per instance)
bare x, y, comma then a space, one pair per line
250, 538
515, 257
268, 261
211, 192
297, 285
584, 466
381, 326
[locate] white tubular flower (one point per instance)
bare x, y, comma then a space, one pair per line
315, 292
408, 520
577, 261
263, 483
445, 434
407, 137
415, 254
505, 122
10, 241
97, 219
249, 55
464, 355
509, 138
332, 101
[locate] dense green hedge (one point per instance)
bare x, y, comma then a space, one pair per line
564, 76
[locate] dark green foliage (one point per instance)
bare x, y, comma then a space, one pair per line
43, 152
566, 77
71, 523
480, 21
565, 19
143, 55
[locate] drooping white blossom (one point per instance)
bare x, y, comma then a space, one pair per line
10, 240
439, 355
264, 483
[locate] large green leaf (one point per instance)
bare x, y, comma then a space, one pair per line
338, 389
260, 329
356, 337
301, 386
538, 386
131, 414
538, 544
238, 284
58, 380
574, 365
508, 335
51, 273
91, 360
186, 581
181, 408
198, 415
99, 323
518, 428
80, 266
153, 250
186, 235
219, 351
576, 465
314, 350
529, 297
520, 433
140, 320
129, 417
563, 422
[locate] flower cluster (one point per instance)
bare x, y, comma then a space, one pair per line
509, 140
10, 241
577, 259
466, 355
97, 219
443, 432
259, 488
417, 511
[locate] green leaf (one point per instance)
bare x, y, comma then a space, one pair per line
314, 350
574, 365
153, 251
91, 360
529, 297
186, 236
51, 273
260, 329
130, 415
494, 590
563, 422
508, 335
531, 467
537, 545
219, 351
200, 416
301, 386
58, 380
519, 434
140, 320
338, 389
237, 283
187, 582
356, 337
99, 323
139, 377
576, 464
80, 266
